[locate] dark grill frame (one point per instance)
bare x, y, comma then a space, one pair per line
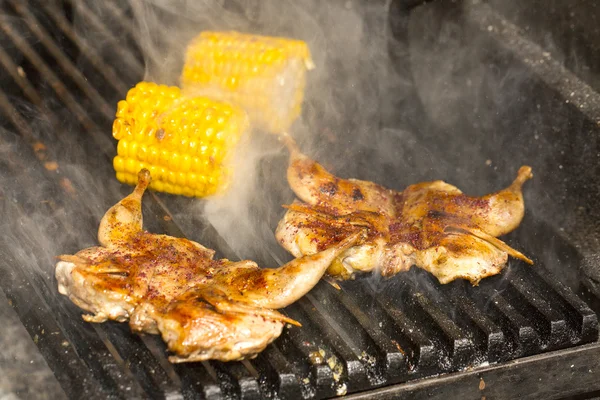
369, 339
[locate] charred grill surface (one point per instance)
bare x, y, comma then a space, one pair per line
57, 92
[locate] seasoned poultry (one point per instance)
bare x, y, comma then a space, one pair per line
432, 225
203, 308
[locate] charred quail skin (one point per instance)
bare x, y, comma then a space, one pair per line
432, 225
203, 308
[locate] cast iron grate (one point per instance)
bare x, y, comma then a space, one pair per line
58, 89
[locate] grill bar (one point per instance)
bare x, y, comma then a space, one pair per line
132, 64
58, 350
280, 376
44, 37
509, 380
50, 77
402, 331
338, 353
14, 116
551, 326
71, 347
117, 14
489, 336
112, 78
459, 345
145, 367
197, 383
520, 330
22, 81
391, 359
142, 363
304, 347
581, 320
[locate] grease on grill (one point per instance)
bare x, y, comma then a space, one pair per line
337, 367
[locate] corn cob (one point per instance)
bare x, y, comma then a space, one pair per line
264, 75
184, 142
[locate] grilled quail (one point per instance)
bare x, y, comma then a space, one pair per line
203, 308
432, 225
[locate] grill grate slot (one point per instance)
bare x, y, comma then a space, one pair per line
350, 332
489, 338
433, 319
305, 347
457, 343
52, 80
523, 337
87, 49
390, 358
122, 51
237, 380
582, 320
277, 375
548, 322
339, 353
197, 383
43, 36
140, 360
404, 333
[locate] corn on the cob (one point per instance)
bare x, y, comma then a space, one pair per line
264, 75
184, 142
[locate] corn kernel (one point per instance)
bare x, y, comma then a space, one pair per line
187, 191
185, 163
172, 177
160, 186
119, 163
131, 166
121, 176
117, 130
181, 178
177, 189
122, 147
154, 172
153, 154
142, 152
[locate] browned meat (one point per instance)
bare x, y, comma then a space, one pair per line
432, 225
203, 308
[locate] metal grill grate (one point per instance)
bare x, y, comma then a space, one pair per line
362, 337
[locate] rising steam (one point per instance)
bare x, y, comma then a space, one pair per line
347, 43
341, 125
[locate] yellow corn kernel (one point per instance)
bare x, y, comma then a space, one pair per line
185, 142
264, 75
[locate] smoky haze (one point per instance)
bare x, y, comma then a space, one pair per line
476, 107
341, 125
347, 44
